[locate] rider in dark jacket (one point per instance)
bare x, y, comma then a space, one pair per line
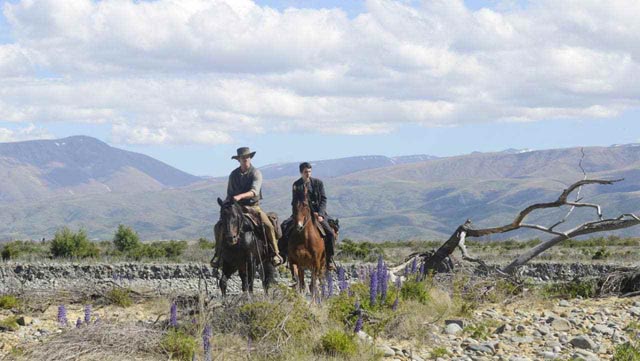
318, 204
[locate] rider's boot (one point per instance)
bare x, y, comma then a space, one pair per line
330, 263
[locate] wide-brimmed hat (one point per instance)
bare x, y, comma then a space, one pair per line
243, 152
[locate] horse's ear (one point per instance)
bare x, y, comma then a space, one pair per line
220, 201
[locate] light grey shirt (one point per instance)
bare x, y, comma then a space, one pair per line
240, 182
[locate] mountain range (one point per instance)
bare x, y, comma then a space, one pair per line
83, 182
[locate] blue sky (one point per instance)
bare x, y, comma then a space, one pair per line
189, 84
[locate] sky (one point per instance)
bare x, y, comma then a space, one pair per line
189, 81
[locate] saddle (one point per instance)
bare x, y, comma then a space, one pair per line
255, 219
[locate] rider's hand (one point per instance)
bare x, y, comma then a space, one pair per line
237, 198
320, 218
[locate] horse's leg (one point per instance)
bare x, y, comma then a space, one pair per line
302, 287
242, 271
268, 275
251, 273
227, 271
314, 287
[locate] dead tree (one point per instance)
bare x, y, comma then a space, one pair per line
466, 230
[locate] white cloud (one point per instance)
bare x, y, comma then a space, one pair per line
203, 71
25, 133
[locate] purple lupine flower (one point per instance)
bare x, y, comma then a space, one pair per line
342, 280
373, 289
329, 285
87, 314
380, 272
62, 315
384, 284
398, 283
206, 342
406, 271
357, 305
414, 265
78, 323
173, 320
420, 276
358, 326
395, 303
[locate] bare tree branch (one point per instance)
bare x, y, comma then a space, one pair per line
457, 239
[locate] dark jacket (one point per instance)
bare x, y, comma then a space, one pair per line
317, 198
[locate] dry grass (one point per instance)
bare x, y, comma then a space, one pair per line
99, 341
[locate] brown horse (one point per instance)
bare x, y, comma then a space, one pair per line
306, 246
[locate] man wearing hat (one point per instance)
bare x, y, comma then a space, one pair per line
245, 187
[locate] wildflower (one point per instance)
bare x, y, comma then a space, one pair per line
78, 323
329, 285
357, 305
373, 288
173, 321
87, 314
406, 271
395, 303
384, 284
62, 315
398, 283
342, 280
358, 326
414, 265
420, 276
206, 343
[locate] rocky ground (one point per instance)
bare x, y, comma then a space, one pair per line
554, 330
527, 327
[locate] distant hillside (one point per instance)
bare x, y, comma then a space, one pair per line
422, 200
338, 167
79, 165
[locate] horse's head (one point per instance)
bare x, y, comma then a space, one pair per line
302, 210
231, 216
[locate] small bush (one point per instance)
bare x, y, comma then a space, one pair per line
414, 290
576, 288
174, 249
126, 239
262, 318
602, 253
67, 243
15, 249
338, 343
9, 251
179, 345
204, 243
8, 302
439, 352
10, 324
119, 297
627, 352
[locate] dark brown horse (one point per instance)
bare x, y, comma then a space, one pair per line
242, 250
306, 246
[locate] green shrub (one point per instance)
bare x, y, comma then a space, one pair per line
179, 345
126, 239
119, 297
263, 318
439, 352
8, 302
338, 343
586, 288
204, 243
14, 249
627, 352
174, 249
66, 243
358, 250
9, 323
414, 290
602, 253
